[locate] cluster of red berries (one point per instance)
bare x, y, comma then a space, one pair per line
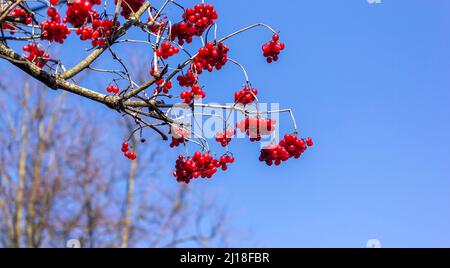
129, 7
196, 93
52, 29
177, 142
256, 127
184, 32
113, 89
101, 31
21, 13
6, 26
36, 55
245, 96
196, 21
179, 136
163, 86
166, 50
294, 145
224, 138
211, 56
187, 80
274, 153
201, 16
156, 26
127, 153
290, 146
80, 12
273, 48
200, 165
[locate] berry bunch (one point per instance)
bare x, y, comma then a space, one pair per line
196, 93
196, 21
274, 153
184, 32
85, 32
293, 145
113, 89
200, 165
127, 153
21, 13
225, 138
129, 7
210, 56
256, 127
187, 80
201, 17
52, 29
166, 50
179, 136
163, 86
225, 160
177, 142
6, 26
36, 55
289, 147
245, 96
156, 26
273, 48
80, 12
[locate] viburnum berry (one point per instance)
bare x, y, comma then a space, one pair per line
289, 147
166, 50
182, 31
85, 32
54, 2
52, 29
101, 31
156, 26
196, 93
201, 16
129, 7
179, 136
80, 12
309, 141
200, 165
163, 86
126, 151
224, 138
113, 89
21, 13
211, 56
245, 96
36, 55
187, 80
273, 48
196, 21
293, 145
256, 127
274, 154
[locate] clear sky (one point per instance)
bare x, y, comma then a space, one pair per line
371, 84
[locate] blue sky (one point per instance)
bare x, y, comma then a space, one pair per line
370, 83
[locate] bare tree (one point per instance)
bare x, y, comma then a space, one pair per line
58, 182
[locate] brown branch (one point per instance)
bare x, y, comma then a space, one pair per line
99, 51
